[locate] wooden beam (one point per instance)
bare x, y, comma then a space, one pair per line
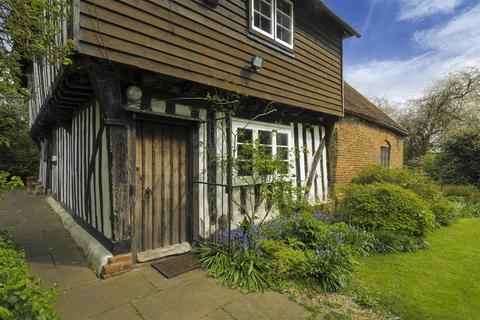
106, 86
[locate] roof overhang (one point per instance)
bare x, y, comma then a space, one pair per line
349, 30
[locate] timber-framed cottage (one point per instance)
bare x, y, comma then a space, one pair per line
124, 129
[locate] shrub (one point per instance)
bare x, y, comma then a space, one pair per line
465, 208
445, 211
283, 260
242, 269
466, 191
330, 265
22, 296
386, 207
412, 180
312, 247
389, 241
458, 161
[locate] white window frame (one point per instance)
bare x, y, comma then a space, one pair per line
273, 26
272, 21
257, 126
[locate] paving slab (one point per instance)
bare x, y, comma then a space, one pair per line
268, 306
125, 312
219, 314
102, 295
192, 299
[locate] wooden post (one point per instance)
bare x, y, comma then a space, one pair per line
106, 86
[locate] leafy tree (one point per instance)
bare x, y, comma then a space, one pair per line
18, 153
28, 30
448, 104
459, 161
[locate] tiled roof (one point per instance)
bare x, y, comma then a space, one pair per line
358, 105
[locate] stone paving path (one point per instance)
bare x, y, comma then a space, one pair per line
141, 294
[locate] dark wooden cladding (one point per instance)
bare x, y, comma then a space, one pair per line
161, 212
188, 40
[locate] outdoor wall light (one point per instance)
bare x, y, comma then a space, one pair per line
134, 94
256, 63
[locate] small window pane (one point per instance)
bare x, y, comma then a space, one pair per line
262, 15
244, 135
265, 137
265, 24
284, 6
282, 139
284, 35
282, 153
266, 8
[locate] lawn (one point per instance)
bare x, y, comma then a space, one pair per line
442, 282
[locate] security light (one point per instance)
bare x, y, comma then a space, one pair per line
256, 63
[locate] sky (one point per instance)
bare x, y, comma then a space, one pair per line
407, 44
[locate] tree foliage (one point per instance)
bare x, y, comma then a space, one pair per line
28, 30
449, 103
459, 160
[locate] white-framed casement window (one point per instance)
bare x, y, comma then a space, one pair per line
274, 140
274, 19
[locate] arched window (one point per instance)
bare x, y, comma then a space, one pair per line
385, 154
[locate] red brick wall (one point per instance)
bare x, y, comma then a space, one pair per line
357, 145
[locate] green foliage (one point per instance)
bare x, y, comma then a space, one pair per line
18, 153
243, 269
385, 207
459, 160
29, 29
445, 211
468, 192
267, 180
283, 260
304, 247
390, 241
8, 182
21, 296
409, 179
465, 208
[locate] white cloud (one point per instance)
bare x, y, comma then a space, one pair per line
449, 47
420, 9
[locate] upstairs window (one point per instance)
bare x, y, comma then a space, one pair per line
274, 19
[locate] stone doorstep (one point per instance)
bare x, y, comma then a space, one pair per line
158, 253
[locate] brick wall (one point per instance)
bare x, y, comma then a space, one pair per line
357, 145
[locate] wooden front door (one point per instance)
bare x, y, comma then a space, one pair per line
162, 191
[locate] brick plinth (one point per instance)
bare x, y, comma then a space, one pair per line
117, 265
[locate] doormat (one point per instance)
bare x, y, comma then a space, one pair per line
173, 266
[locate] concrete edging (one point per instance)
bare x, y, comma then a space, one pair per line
97, 254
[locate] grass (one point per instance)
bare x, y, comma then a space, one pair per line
442, 282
